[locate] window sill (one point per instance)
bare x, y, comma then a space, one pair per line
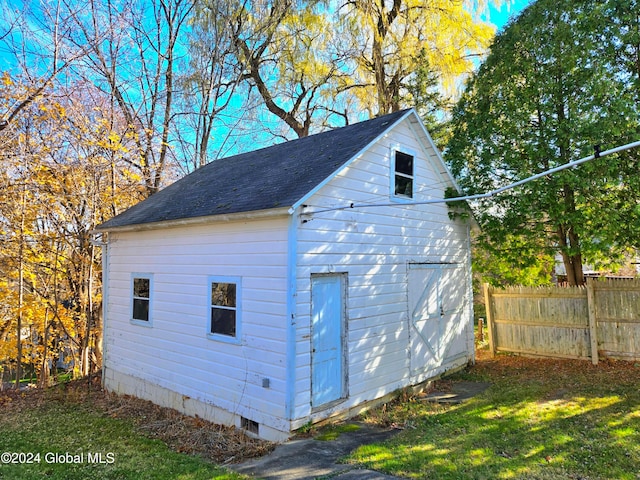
401, 199
217, 337
142, 323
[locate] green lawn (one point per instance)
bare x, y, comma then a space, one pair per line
540, 419
50, 428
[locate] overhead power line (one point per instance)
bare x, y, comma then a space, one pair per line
597, 154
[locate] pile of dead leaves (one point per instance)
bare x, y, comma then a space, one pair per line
181, 433
569, 371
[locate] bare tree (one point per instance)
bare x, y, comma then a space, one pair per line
35, 43
209, 82
136, 64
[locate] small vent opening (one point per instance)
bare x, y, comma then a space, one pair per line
249, 425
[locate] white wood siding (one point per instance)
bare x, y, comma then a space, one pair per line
175, 352
374, 246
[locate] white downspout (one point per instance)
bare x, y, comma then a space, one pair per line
291, 321
101, 239
469, 302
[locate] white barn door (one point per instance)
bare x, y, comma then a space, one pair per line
327, 338
437, 299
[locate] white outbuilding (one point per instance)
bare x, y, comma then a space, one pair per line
287, 285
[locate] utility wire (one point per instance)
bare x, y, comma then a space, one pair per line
597, 154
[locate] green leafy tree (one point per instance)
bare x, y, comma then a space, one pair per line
560, 82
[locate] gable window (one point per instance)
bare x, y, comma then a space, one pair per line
224, 317
141, 286
403, 175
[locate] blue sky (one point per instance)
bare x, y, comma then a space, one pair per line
497, 16
500, 16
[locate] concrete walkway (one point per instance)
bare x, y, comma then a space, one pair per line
309, 458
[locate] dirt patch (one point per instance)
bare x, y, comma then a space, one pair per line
566, 372
181, 433
459, 392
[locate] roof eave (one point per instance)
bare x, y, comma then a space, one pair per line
225, 217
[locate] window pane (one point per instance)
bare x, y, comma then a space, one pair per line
223, 294
140, 309
223, 321
404, 186
141, 287
404, 163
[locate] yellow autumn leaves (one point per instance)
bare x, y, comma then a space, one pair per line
64, 170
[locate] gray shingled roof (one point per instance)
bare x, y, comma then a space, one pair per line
272, 177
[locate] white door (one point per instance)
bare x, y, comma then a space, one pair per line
437, 303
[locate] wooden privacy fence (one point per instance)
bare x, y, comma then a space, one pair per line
601, 320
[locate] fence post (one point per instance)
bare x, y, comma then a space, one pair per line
489, 311
591, 307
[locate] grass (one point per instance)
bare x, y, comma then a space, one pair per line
540, 419
53, 425
332, 432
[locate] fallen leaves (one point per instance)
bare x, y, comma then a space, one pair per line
220, 444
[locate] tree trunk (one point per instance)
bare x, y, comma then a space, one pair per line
44, 369
20, 291
19, 318
381, 84
570, 242
98, 341
384, 89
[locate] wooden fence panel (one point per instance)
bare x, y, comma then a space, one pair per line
617, 307
567, 322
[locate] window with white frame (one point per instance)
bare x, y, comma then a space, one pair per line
224, 318
141, 286
403, 174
